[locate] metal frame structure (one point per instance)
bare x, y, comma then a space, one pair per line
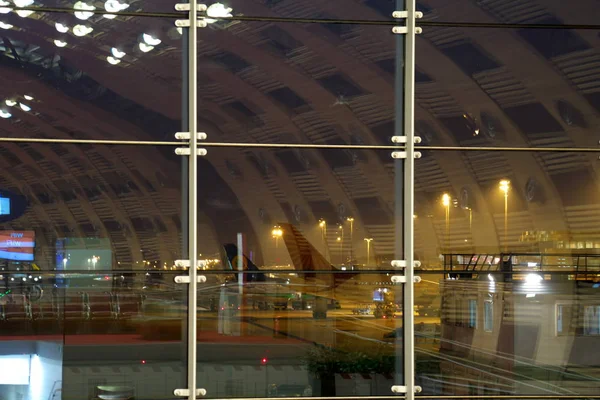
405, 165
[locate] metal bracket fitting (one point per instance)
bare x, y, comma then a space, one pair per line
403, 30
186, 263
186, 7
186, 136
402, 154
186, 279
403, 389
185, 151
402, 263
404, 139
185, 23
186, 392
402, 279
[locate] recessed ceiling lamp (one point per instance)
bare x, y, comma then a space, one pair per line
23, 3
59, 43
117, 53
10, 102
28, 97
5, 26
112, 60
83, 15
82, 30
5, 114
61, 28
217, 10
4, 10
145, 48
150, 40
114, 6
24, 107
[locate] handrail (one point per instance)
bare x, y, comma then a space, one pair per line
52, 391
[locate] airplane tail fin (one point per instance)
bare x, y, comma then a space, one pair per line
306, 257
233, 260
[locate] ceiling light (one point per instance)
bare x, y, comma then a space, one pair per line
533, 278
28, 97
145, 48
83, 15
180, 30
10, 103
23, 3
115, 6
217, 10
5, 114
4, 10
109, 16
24, 107
5, 26
61, 28
112, 60
117, 53
24, 13
150, 40
82, 30
60, 43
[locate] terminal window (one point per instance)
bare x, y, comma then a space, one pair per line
488, 316
591, 320
472, 314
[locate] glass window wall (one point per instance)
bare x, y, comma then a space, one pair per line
302, 206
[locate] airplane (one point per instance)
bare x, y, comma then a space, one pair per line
313, 275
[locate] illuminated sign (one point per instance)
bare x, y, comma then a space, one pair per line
17, 245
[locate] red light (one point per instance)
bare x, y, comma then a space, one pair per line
107, 278
384, 317
143, 361
264, 360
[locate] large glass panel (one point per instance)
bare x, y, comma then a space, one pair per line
110, 79
88, 239
543, 12
507, 87
296, 248
509, 248
265, 82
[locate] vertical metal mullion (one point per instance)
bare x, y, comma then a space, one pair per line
399, 180
409, 200
193, 197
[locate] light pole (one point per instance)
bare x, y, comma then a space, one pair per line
276, 233
351, 220
341, 240
505, 188
368, 240
446, 204
323, 226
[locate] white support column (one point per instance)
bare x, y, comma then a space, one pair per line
409, 200
193, 199
406, 194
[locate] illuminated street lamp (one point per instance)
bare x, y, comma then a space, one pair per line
351, 220
505, 188
341, 240
323, 226
446, 204
277, 232
368, 240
